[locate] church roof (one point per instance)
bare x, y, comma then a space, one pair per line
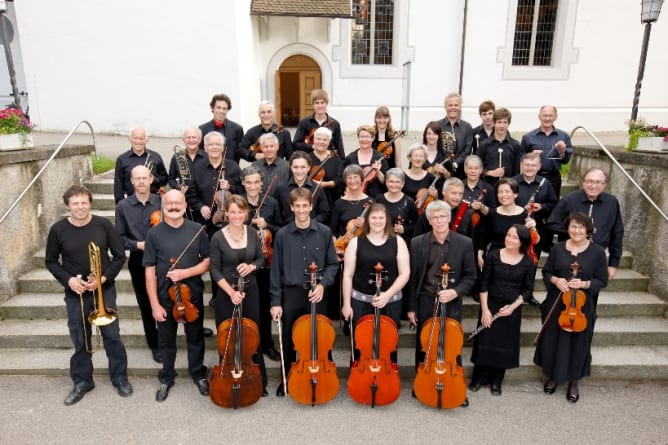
303, 8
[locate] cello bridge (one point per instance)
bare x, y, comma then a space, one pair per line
314, 369
237, 373
374, 368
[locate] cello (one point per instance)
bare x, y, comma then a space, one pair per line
572, 319
440, 380
374, 378
236, 380
312, 378
183, 311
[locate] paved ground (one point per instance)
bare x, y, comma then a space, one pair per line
608, 412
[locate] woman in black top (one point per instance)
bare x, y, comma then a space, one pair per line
236, 253
376, 244
401, 207
371, 161
566, 356
385, 132
507, 282
332, 166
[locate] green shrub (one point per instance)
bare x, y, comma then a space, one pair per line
102, 164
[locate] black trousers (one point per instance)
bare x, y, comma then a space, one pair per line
139, 285
266, 339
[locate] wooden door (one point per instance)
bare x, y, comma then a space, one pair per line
308, 81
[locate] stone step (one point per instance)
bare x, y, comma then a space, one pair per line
50, 306
609, 362
625, 280
104, 201
101, 184
609, 331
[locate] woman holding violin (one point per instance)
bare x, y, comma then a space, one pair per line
386, 134
417, 177
373, 162
401, 207
507, 282
437, 157
377, 243
326, 166
236, 253
576, 270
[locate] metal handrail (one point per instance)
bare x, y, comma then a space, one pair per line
46, 164
628, 176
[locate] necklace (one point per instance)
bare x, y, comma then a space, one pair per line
241, 235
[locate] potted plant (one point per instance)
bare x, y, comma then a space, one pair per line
643, 136
15, 128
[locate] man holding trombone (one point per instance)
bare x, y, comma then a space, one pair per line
77, 255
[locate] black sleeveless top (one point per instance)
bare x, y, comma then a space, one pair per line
368, 255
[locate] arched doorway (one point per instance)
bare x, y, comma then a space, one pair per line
295, 79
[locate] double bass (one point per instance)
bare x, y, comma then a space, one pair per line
572, 319
440, 380
374, 378
312, 378
236, 380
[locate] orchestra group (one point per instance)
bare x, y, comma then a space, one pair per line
303, 232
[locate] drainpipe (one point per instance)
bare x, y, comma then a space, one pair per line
8, 55
463, 51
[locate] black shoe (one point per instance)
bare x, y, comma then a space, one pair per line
413, 394
549, 387
572, 397
534, 302
76, 394
474, 386
212, 302
207, 332
465, 403
265, 393
203, 387
163, 392
124, 389
280, 391
273, 354
156, 355
495, 389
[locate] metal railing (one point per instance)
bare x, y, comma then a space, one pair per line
46, 164
623, 170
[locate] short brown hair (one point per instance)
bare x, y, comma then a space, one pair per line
503, 113
319, 94
300, 155
218, 97
486, 106
76, 190
300, 193
368, 128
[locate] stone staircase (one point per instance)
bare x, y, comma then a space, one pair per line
631, 340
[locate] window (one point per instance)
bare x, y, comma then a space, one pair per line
372, 32
535, 27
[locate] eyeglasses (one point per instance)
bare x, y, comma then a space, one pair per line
593, 182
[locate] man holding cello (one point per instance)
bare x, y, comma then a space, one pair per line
176, 254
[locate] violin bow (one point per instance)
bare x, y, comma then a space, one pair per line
547, 319
280, 347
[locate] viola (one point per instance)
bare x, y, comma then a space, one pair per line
448, 142
352, 231
219, 195
156, 215
236, 380
476, 217
310, 137
572, 319
533, 233
312, 378
369, 174
423, 198
265, 234
317, 172
183, 311
440, 381
386, 147
374, 378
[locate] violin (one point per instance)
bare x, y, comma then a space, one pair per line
423, 198
312, 378
572, 319
476, 217
219, 195
183, 311
369, 174
310, 137
533, 233
374, 378
317, 172
265, 234
440, 381
236, 380
156, 215
386, 147
448, 142
352, 231
257, 147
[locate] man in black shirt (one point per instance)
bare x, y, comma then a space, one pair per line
133, 221
486, 127
270, 164
68, 259
500, 153
232, 132
137, 155
164, 242
192, 154
297, 245
300, 164
250, 148
461, 131
303, 140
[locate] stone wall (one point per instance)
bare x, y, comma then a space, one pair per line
24, 231
646, 232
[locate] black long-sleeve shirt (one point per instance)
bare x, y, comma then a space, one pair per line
174, 173
605, 213
67, 250
308, 124
294, 251
133, 219
252, 137
463, 133
123, 172
545, 196
320, 212
510, 156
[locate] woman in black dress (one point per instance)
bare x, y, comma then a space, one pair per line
417, 177
507, 282
236, 252
566, 356
384, 133
401, 207
332, 165
372, 161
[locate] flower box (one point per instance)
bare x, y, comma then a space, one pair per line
656, 144
16, 141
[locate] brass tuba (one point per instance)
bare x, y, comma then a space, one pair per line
102, 315
182, 164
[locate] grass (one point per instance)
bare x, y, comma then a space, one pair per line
102, 164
